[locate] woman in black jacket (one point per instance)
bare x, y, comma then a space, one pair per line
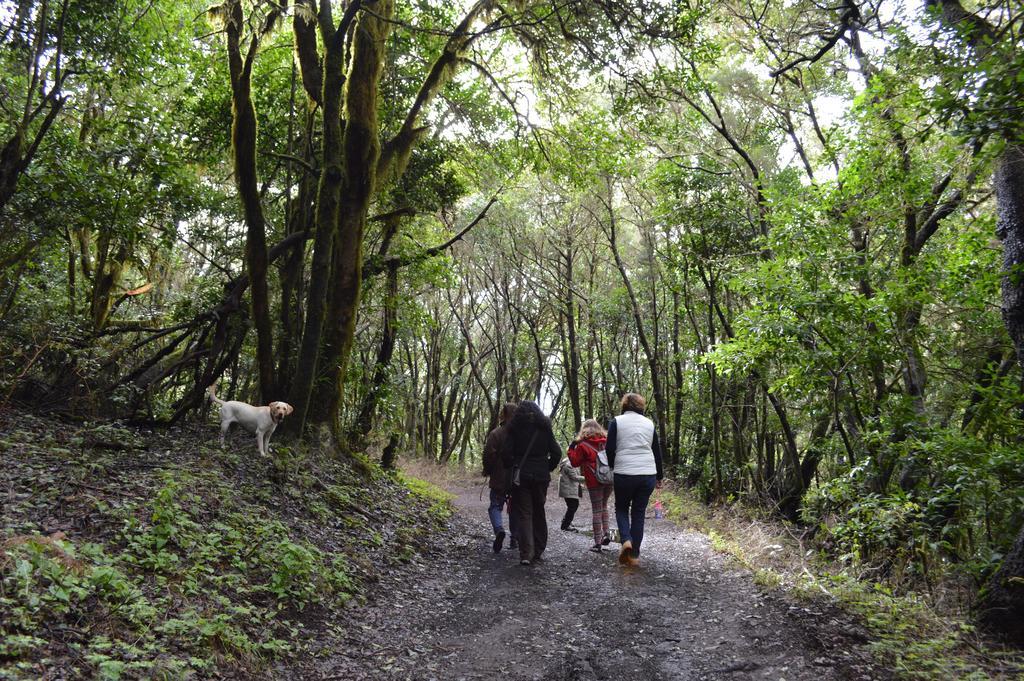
530, 446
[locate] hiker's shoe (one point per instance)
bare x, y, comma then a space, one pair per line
626, 553
596, 548
499, 539
524, 561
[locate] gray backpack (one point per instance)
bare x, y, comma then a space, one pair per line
603, 472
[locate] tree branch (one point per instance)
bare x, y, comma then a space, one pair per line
306, 165
850, 16
395, 149
376, 266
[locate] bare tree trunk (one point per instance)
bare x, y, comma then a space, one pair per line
381, 369
649, 350
999, 606
19, 150
573, 355
716, 418
1009, 184
677, 392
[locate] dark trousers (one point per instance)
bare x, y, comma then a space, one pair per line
532, 525
570, 512
632, 492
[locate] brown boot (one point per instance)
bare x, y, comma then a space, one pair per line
626, 553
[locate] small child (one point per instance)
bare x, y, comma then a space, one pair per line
583, 453
570, 486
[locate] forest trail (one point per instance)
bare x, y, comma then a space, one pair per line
687, 613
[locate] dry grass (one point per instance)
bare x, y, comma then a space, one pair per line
755, 540
51, 544
446, 477
916, 635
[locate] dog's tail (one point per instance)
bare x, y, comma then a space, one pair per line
213, 396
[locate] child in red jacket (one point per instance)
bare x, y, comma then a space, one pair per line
583, 455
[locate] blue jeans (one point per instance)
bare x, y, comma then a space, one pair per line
494, 511
632, 492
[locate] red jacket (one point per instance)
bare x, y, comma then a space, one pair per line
583, 455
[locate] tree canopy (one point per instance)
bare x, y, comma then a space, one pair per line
796, 227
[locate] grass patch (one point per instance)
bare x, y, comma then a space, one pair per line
439, 501
912, 638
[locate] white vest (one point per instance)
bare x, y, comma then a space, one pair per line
634, 437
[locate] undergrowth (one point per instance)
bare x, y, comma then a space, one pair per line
122, 560
439, 501
912, 634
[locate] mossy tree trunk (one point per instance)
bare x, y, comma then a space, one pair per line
360, 150
303, 210
106, 279
332, 77
354, 168
243, 143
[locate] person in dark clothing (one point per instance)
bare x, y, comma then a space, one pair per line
530, 445
500, 478
635, 457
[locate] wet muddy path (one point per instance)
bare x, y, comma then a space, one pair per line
686, 613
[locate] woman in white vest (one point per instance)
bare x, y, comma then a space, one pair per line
635, 457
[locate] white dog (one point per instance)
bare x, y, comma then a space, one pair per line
260, 420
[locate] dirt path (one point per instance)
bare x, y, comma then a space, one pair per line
687, 613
